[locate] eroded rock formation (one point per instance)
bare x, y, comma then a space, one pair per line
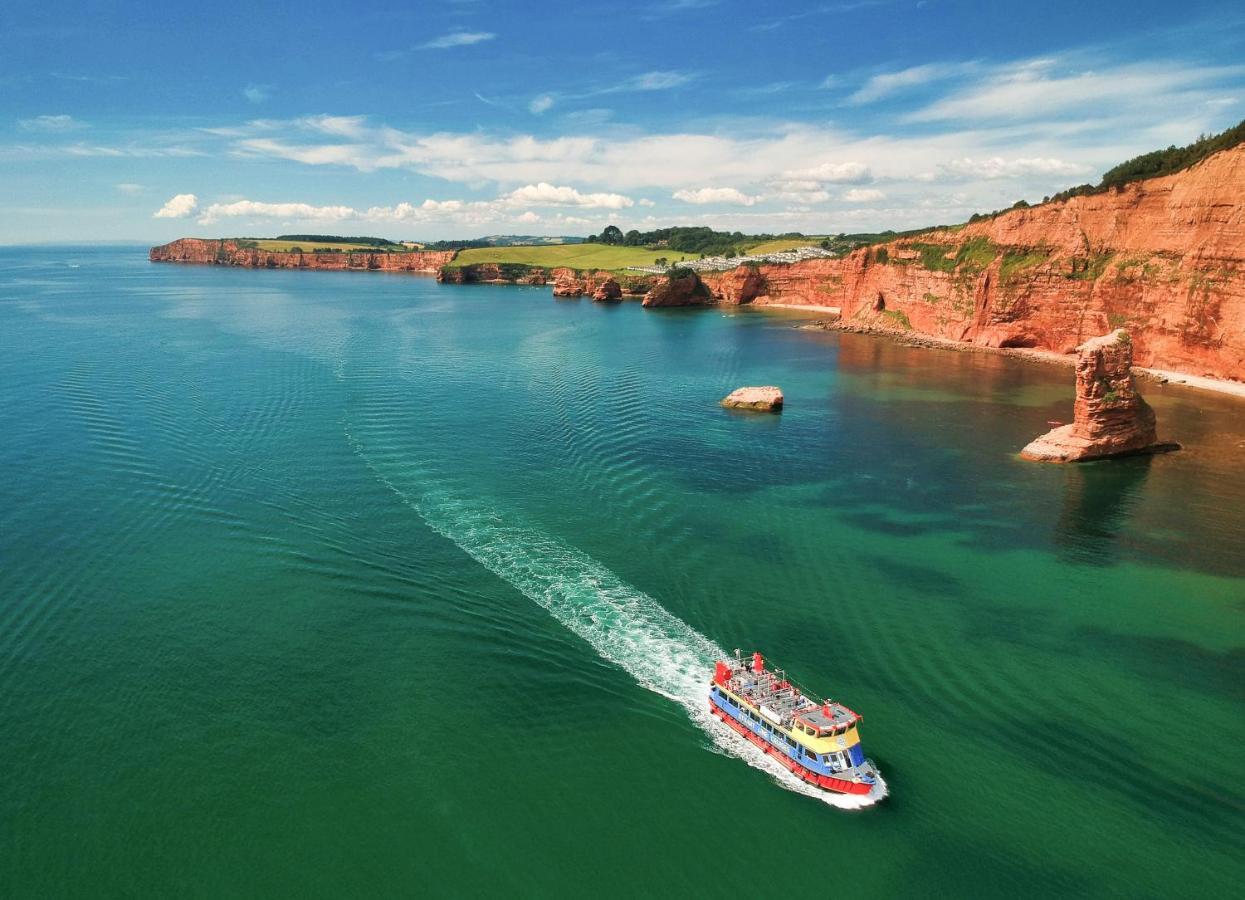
1111, 418
684, 290
228, 253
1164, 258
759, 399
608, 290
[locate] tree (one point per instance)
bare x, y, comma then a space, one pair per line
633, 238
612, 235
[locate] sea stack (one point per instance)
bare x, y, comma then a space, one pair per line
1110, 418
760, 399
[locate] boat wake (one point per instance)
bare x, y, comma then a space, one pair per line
624, 625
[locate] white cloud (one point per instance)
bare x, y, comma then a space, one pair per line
540, 104
863, 195
178, 207
528, 218
458, 39
715, 195
656, 81
257, 93
836, 173
1059, 87
253, 209
998, 167
340, 126
888, 83
60, 123
545, 194
129, 187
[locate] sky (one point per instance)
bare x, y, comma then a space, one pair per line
461, 118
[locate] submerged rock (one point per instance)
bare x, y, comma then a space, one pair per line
1111, 418
762, 399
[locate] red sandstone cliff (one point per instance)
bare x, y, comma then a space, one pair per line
1164, 258
228, 253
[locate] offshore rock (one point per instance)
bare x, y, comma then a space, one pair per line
1110, 418
760, 399
608, 290
685, 290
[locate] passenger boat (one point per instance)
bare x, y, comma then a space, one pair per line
819, 742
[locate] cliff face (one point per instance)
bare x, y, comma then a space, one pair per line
228, 253
1164, 258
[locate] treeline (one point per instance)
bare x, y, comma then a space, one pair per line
1148, 165
473, 244
337, 239
697, 239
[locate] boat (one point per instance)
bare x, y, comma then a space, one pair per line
819, 742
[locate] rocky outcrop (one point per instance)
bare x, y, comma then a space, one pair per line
229, 253
574, 283
1110, 417
682, 290
758, 399
608, 290
492, 273
1164, 258
736, 287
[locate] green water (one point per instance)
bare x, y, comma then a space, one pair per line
344, 584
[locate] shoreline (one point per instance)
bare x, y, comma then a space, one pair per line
1223, 387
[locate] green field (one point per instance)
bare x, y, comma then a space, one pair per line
574, 256
779, 244
309, 246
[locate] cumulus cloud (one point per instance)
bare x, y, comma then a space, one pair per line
257, 93
545, 194
254, 209
528, 218
59, 123
862, 195
178, 207
540, 104
705, 195
458, 39
997, 167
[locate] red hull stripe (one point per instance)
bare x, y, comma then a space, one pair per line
825, 782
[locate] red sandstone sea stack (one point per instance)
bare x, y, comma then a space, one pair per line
1111, 418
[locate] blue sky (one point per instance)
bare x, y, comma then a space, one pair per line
455, 119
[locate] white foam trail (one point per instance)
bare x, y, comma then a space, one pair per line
624, 625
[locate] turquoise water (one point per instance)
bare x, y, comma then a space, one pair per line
341, 584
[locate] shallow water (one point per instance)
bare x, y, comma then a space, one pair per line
344, 583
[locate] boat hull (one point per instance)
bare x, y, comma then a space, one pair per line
825, 782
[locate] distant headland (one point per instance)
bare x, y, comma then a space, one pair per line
1157, 247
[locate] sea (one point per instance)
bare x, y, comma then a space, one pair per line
344, 584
